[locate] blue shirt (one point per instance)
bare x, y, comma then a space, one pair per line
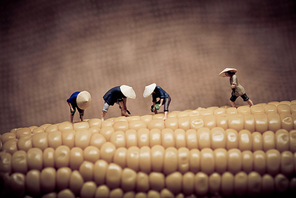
159, 93
72, 99
113, 95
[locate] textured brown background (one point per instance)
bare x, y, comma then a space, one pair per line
50, 48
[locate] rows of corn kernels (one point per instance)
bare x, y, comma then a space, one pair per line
213, 152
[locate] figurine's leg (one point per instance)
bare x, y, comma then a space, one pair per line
247, 99
121, 106
71, 117
232, 100
167, 102
81, 115
232, 103
250, 102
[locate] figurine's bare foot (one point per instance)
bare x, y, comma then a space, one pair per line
165, 115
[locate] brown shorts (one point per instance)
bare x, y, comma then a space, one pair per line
244, 97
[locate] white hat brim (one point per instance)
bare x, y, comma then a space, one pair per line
128, 91
222, 73
149, 90
83, 100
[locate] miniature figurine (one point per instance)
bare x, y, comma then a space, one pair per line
118, 95
237, 89
81, 101
158, 92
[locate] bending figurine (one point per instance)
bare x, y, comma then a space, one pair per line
158, 92
79, 100
118, 95
237, 89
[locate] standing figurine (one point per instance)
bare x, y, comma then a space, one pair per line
158, 92
237, 89
81, 101
118, 95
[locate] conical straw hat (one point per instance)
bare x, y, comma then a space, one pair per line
128, 91
222, 73
83, 100
148, 90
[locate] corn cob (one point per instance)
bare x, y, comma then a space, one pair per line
51, 182
204, 137
204, 152
157, 158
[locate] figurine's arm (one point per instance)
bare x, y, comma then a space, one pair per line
233, 88
103, 116
153, 105
124, 103
72, 112
71, 108
161, 102
233, 82
153, 100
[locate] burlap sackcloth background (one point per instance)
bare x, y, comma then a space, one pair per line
50, 49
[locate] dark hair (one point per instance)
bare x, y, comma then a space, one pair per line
231, 72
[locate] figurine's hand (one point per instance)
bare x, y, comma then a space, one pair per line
233, 92
72, 112
157, 106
